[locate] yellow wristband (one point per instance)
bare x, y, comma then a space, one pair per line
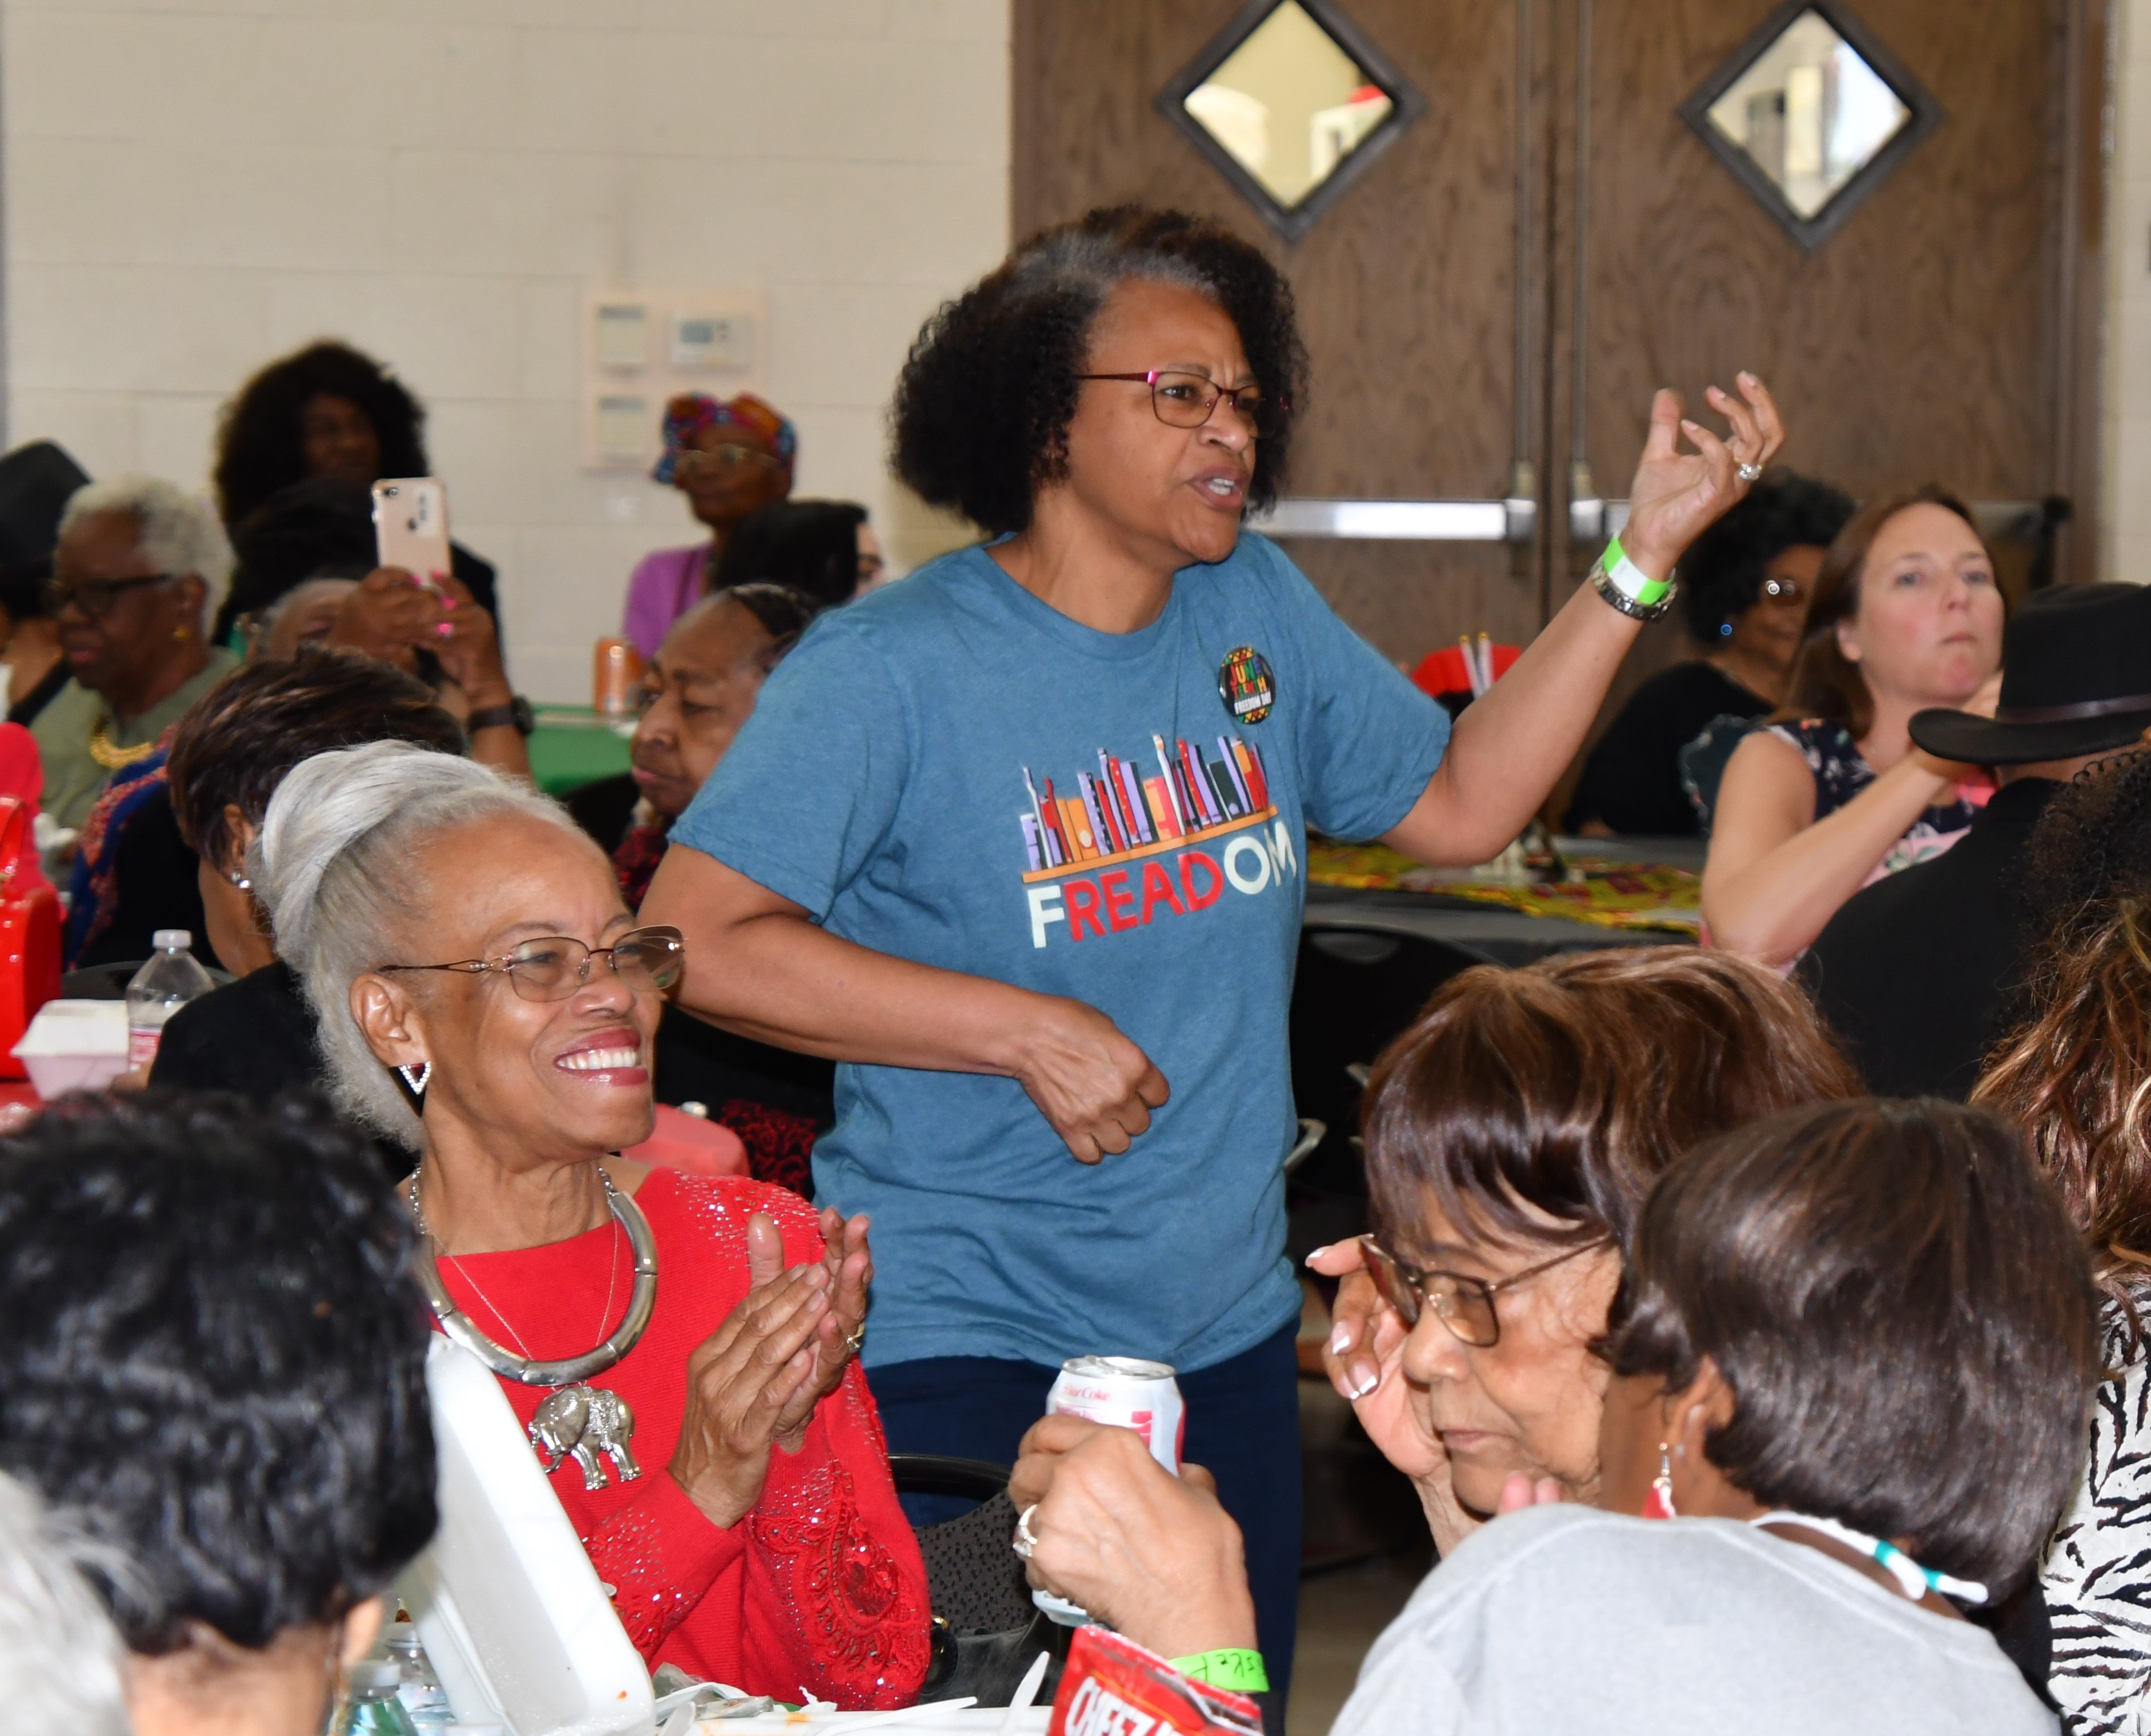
1235, 1668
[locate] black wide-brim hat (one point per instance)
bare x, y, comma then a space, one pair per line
2076, 679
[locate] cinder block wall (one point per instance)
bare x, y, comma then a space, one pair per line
192, 186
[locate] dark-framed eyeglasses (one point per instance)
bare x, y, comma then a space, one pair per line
1186, 400
553, 966
725, 460
1465, 1305
95, 597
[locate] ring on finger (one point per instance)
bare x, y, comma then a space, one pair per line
1749, 472
1026, 1540
855, 1338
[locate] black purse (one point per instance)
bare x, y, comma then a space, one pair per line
987, 1631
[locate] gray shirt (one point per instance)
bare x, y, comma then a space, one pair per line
1565, 1618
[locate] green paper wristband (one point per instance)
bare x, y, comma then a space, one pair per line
1629, 579
1235, 1668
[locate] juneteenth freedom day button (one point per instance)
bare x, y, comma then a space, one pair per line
1246, 685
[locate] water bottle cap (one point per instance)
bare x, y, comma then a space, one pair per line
374, 1674
172, 939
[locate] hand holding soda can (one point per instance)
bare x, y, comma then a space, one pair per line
1121, 1392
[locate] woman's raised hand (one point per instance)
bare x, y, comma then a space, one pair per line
1677, 494
1152, 1554
387, 617
744, 1378
1095, 1086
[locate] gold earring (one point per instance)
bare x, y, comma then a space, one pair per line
179, 634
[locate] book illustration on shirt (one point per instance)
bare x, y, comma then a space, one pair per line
1123, 810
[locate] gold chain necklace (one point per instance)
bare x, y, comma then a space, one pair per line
110, 757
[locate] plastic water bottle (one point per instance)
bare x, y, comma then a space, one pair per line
425, 1701
374, 1709
163, 985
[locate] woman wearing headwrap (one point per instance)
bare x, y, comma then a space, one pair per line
730, 459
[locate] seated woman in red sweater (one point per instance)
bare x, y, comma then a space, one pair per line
485, 998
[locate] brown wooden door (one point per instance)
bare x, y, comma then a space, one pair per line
1946, 332
1948, 329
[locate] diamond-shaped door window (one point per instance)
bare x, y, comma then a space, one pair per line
1811, 113
1290, 103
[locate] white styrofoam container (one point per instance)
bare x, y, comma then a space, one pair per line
74, 1046
510, 1611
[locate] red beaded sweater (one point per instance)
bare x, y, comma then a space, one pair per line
820, 1585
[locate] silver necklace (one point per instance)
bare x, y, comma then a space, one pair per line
574, 1420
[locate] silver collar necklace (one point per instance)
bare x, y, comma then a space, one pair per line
574, 1420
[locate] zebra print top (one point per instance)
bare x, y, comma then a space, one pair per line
2098, 1568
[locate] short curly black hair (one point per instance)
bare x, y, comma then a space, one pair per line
983, 403
234, 746
259, 447
1721, 575
214, 1353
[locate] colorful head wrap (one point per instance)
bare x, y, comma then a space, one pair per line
688, 414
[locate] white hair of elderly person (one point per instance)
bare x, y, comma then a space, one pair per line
61, 1660
178, 534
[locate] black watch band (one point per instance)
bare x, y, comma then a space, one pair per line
516, 711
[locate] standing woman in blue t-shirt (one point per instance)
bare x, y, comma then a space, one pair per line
1018, 841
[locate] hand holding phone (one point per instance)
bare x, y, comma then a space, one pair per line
411, 526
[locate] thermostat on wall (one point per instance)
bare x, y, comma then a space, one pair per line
711, 340
621, 428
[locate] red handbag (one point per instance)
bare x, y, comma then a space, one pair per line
29, 932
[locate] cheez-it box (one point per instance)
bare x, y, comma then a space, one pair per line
1112, 1687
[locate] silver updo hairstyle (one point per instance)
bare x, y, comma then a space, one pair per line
332, 864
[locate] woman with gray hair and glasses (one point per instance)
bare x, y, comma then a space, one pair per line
136, 575
682, 1350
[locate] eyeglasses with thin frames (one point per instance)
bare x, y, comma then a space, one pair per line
1184, 400
1465, 1305
553, 966
94, 597
724, 459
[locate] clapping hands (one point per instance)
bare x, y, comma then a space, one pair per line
753, 1383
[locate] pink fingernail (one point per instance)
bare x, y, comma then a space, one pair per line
1317, 1253
1367, 1383
1341, 1340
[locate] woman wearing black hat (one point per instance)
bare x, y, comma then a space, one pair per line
36, 482
1911, 971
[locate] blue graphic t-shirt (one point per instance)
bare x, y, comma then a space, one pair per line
950, 771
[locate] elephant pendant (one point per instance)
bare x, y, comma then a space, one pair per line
581, 1422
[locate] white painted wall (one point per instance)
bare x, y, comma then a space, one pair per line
2125, 539
194, 187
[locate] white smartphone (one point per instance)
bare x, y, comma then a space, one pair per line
411, 526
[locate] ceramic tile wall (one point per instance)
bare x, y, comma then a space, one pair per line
192, 186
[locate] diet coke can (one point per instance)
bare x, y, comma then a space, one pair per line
1125, 1393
